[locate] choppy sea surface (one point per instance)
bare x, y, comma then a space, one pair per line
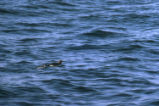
110, 50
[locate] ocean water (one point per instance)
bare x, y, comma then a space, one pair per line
109, 48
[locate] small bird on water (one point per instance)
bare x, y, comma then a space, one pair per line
51, 64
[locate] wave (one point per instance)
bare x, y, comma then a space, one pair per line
84, 89
86, 47
24, 31
106, 46
101, 33
61, 3
26, 40
128, 59
6, 93
26, 12
51, 25
8, 11
37, 6
128, 48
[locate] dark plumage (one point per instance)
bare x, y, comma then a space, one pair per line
55, 64
51, 64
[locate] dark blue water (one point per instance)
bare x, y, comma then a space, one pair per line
110, 50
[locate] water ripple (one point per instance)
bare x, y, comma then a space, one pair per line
109, 51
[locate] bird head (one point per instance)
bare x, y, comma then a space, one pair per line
60, 61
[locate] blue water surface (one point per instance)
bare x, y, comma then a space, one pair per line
109, 48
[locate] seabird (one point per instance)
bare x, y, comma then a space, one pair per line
51, 64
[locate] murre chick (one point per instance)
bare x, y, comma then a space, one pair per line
51, 64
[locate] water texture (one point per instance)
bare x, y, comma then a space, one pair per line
110, 50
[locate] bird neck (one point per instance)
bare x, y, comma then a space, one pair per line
60, 62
